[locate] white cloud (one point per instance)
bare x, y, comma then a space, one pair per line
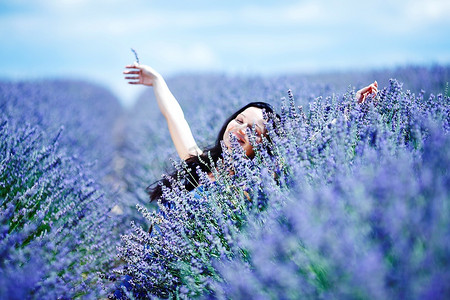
429, 11
299, 13
73, 18
304, 12
197, 56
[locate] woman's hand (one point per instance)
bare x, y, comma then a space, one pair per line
141, 74
362, 94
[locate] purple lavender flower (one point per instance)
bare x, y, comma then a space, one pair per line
337, 209
343, 200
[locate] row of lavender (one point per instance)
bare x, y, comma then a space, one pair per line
352, 201
88, 113
57, 230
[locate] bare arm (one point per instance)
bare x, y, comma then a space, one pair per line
170, 108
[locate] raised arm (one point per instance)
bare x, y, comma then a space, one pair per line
170, 108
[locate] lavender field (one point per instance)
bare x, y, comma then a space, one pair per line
347, 201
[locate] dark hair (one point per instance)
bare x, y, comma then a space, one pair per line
215, 152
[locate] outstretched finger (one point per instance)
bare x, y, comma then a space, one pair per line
132, 77
362, 98
131, 72
134, 66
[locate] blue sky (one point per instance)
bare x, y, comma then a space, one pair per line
91, 39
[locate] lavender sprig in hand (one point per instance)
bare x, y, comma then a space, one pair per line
135, 55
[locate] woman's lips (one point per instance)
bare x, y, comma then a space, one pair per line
240, 138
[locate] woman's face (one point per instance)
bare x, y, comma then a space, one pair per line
238, 127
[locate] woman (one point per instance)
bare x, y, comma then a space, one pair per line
249, 116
